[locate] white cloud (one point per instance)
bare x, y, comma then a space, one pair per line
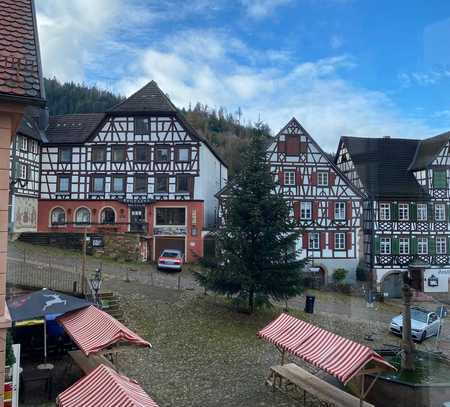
262, 8
336, 41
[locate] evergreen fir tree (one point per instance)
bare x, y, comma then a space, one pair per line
257, 258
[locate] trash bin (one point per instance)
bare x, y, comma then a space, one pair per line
309, 304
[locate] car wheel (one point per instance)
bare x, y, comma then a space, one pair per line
423, 337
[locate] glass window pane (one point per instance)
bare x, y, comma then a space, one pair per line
162, 154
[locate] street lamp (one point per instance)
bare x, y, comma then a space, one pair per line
96, 283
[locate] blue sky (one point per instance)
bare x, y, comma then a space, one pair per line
342, 67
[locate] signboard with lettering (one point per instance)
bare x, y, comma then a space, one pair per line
97, 241
436, 280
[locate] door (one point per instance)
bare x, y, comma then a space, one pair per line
162, 243
417, 279
392, 285
137, 220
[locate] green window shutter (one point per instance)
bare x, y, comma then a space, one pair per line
439, 178
395, 245
431, 246
430, 212
448, 245
377, 245
413, 211
413, 246
448, 212
394, 211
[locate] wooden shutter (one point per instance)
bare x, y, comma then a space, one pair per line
331, 178
431, 246
281, 147
303, 147
349, 210
298, 177
313, 178
430, 213
394, 211
191, 184
331, 205
315, 210
395, 245
292, 145
448, 245
322, 238
377, 244
448, 212
331, 240
281, 177
413, 245
296, 206
413, 212
348, 240
305, 240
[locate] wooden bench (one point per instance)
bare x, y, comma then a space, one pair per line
292, 377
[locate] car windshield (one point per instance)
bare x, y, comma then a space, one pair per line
419, 315
170, 254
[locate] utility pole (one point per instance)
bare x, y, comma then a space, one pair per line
407, 343
83, 263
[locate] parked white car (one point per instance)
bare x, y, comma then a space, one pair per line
423, 324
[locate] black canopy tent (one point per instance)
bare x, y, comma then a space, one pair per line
44, 304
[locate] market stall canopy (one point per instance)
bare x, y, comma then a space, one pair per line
338, 356
94, 330
104, 387
40, 304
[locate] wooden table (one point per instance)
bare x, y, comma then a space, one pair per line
88, 363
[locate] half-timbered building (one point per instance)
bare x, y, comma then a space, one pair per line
406, 185
140, 167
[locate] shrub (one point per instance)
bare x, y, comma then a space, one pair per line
339, 275
10, 359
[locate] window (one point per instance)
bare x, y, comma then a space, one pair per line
441, 245
182, 154
98, 154
65, 154
108, 216
305, 210
161, 183
141, 125
404, 245
183, 183
23, 171
63, 183
118, 154
422, 214
439, 212
289, 178
313, 241
140, 184
322, 178
98, 184
82, 216
385, 211
35, 147
118, 184
58, 217
170, 216
440, 179
403, 211
141, 153
162, 154
339, 211
422, 245
23, 143
385, 245
339, 241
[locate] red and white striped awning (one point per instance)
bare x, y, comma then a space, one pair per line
104, 387
338, 356
93, 330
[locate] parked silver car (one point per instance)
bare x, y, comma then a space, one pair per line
423, 324
171, 259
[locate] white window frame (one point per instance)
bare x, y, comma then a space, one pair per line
314, 241
385, 245
340, 208
403, 245
385, 211
422, 212
322, 179
422, 245
23, 171
441, 245
77, 212
403, 212
23, 143
440, 212
305, 210
339, 241
289, 178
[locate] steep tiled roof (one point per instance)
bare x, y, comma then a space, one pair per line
150, 98
20, 66
72, 128
382, 165
428, 150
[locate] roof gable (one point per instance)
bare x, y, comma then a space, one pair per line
428, 150
72, 128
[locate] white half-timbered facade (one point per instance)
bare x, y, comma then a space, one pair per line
326, 206
139, 167
406, 219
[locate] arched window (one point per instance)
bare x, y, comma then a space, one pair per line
83, 216
108, 216
58, 217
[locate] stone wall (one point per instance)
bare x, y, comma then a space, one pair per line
120, 246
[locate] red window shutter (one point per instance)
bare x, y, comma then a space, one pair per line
305, 240
296, 206
331, 210
281, 177
281, 147
331, 240
322, 240
349, 210
313, 178
332, 178
348, 243
292, 145
298, 177
315, 210
303, 147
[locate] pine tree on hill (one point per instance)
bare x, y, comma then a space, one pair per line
257, 260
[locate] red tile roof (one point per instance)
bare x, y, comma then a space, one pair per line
20, 70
